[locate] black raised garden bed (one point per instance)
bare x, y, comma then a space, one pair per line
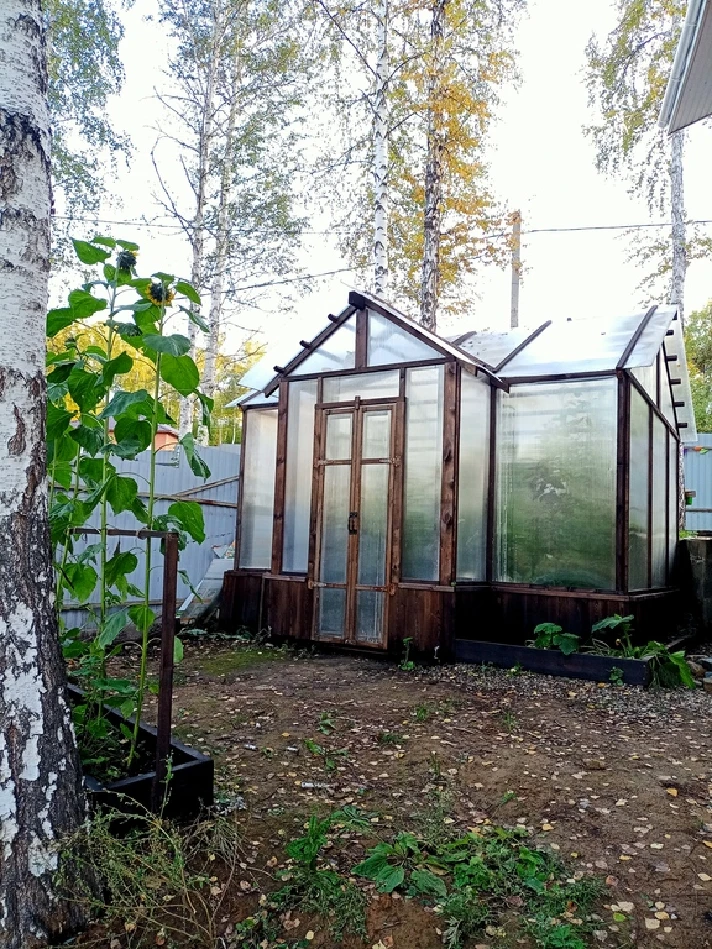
189, 790
579, 665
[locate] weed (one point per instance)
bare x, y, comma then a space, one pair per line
407, 664
325, 725
516, 669
507, 797
389, 738
422, 713
328, 756
551, 636
510, 721
616, 676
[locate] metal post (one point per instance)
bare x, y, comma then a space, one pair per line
165, 675
516, 265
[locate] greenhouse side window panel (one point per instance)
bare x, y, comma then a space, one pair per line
556, 484
258, 488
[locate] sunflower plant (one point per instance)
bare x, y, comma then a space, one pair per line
92, 421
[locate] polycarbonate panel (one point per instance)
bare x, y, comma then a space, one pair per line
298, 482
673, 524
377, 434
660, 489
369, 616
332, 612
646, 349
647, 377
336, 352
388, 343
258, 488
373, 525
366, 385
492, 348
575, 346
338, 437
257, 398
556, 484
473, 478
666, 406
423, 473
335, 523
638, 492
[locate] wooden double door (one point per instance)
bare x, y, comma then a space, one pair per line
358, 449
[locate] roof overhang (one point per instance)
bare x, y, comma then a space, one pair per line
688, 97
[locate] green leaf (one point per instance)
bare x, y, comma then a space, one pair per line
116, 367
206, 407
88, 253
177, 650
90, 439
373, 865
122, 563
189, 291
142, 617
389, 878
121, 493
83, 304
176, 344
111, 628
109, 272
196, 318
163, 277
57, 320
568, 643
197, 465
181, 373
426, 882
189, 515
85, 388
106, 241
58, 420
81, 579
92, 470
133, 432
128, 245
122, 400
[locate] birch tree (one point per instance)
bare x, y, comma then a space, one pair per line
380, 151
40, 784
627, 77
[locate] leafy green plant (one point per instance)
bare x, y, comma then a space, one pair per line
325, 724
422, 713
390, 865
327, 755
92, 420
407, 664
389, 738
616, 676
669, 669
552, 636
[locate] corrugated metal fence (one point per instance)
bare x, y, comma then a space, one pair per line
698, 478
175, 481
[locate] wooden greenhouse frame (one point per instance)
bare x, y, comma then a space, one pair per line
354, 586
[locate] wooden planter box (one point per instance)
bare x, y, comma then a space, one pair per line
190, 788
578, 665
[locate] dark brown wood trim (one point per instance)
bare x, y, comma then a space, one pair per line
522, 345
397, 497
348, 406
280, 477
287, 577
492, 486
361, 359
575, 594
315, 518
320, 338
448, 481
558, 377
240, 492
353, 539
652, 405
622, 482
651, 437
635, 337
433, 587
456, 500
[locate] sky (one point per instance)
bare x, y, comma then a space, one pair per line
541, 163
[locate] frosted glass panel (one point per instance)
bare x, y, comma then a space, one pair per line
389, 343
423, 472
638, 506
298, 485
556, 484
369, 616
337, 352
367, 385
665, 394
474, 469
335, 533
373, 525
673, 475
377, 434
660, 488
338, 437
258, 488
332, 610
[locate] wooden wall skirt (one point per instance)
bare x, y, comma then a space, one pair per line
434, 616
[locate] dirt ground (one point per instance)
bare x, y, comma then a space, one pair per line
616, 779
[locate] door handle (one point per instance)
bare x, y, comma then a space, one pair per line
352, 522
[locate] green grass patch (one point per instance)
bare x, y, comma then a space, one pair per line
240, 658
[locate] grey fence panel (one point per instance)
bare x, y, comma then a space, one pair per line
698, 478
175, 481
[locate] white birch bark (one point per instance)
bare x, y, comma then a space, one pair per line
185, 422
40, 780
429, 287
677, 208
380, 152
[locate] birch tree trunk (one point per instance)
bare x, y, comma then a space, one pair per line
40, 779
380, 151
433, 178
677, 208
185, 422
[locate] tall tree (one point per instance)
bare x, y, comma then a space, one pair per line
40, 783
380, 151
627, 77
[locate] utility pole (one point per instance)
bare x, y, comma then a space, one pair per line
516, 265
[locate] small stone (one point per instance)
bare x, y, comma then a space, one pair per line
625, 907
707, 682
696, 668
705, 877
652, 923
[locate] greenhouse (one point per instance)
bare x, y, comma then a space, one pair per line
396, 484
